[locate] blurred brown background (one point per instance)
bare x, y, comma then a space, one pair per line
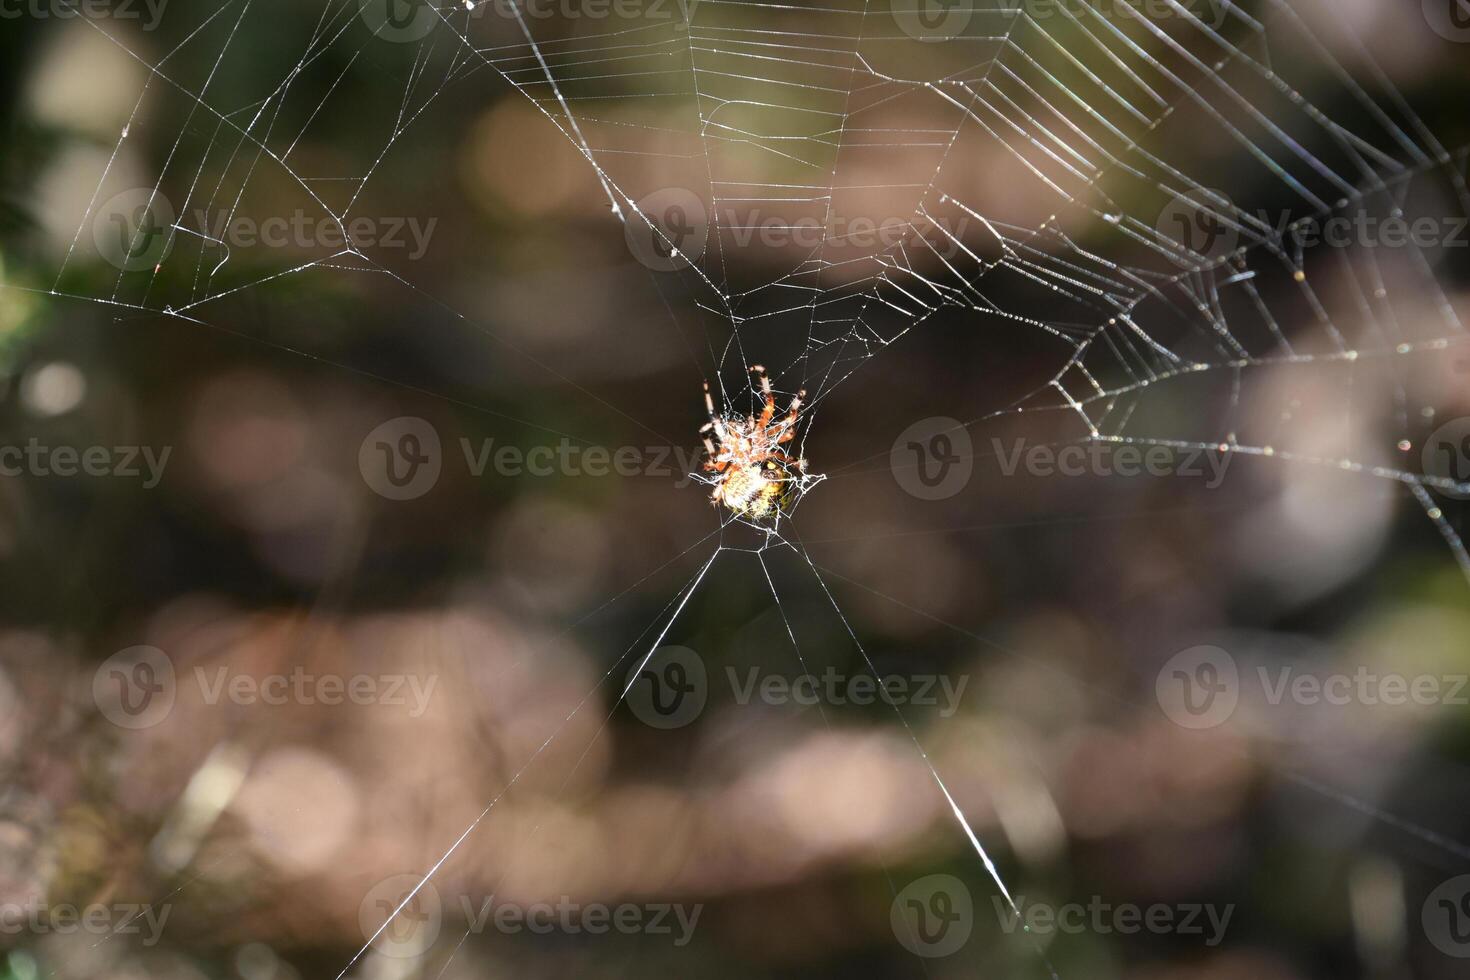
490, 621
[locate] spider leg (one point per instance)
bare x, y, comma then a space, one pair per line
788, 423
795, 407
768, 407
715, 422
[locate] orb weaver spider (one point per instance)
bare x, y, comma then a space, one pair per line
755, 479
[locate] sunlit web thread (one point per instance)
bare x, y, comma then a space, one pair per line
682, 599
954, 807
1079, 138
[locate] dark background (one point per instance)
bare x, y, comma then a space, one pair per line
263, 548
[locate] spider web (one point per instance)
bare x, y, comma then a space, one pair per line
723, 132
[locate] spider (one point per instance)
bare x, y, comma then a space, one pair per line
756, 479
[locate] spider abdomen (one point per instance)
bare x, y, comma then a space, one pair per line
754, 491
